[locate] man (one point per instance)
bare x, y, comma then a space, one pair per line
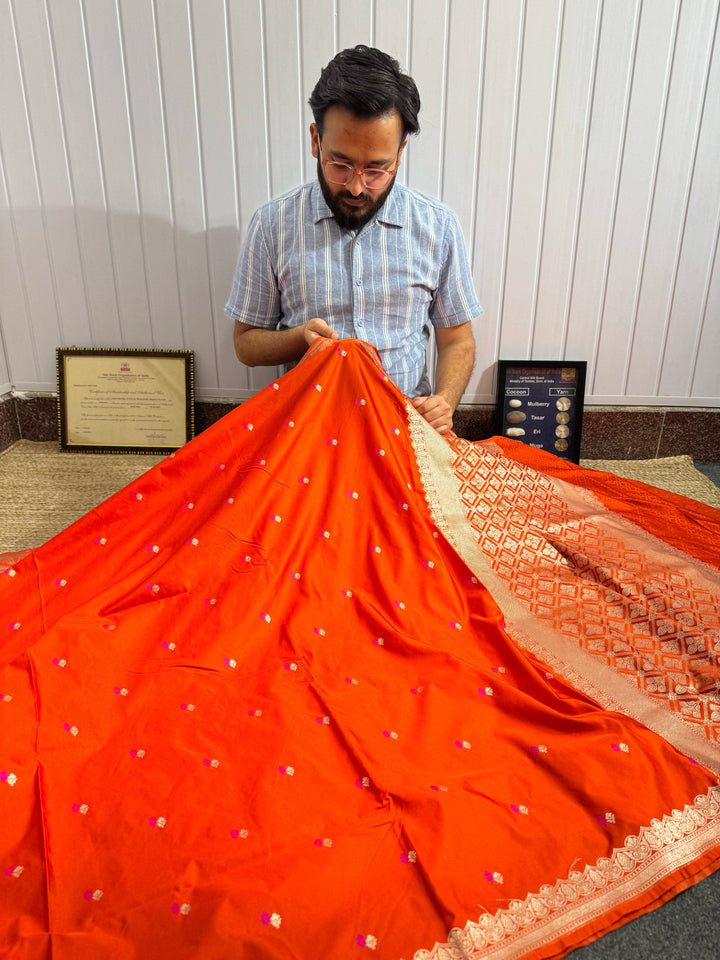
354, 254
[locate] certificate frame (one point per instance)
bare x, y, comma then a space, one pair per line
541, 403
115, 400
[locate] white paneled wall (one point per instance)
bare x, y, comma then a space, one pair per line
578, 141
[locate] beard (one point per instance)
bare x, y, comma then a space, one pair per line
348, 217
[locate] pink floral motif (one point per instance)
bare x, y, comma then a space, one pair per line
181, 909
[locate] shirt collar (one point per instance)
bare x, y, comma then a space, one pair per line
389, 213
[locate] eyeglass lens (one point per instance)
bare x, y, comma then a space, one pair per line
343, 173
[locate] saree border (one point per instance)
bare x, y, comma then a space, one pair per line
560, 911
571, 904
586, 674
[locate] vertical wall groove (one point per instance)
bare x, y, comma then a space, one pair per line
36, 177
511, 171
616, 193
651, 202
546, 178
577, 219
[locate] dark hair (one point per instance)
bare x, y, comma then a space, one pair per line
369, 83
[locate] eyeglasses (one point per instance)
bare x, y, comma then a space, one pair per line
372, 178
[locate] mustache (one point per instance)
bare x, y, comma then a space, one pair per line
346, 195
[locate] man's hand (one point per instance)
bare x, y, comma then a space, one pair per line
456, 357
436, 410
318, 328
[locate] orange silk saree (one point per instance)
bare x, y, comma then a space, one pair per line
324, 684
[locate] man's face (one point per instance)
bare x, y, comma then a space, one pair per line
361, 142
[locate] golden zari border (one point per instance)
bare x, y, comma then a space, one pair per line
565, 657
563, 908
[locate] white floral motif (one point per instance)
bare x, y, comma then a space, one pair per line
185, 909
370, 941
6, 698
290, 771
11, 779
12, 573
276, 920
17, 871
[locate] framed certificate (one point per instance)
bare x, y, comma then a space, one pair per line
125, 401
541, 403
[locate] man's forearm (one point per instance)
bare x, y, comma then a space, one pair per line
257, 347
454, 368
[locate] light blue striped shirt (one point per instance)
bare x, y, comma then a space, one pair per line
408, 267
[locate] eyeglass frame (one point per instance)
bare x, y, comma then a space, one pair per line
359, 171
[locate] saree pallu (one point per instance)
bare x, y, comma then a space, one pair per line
261, 702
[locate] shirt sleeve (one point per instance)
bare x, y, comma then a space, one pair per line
255, 297
455, 300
